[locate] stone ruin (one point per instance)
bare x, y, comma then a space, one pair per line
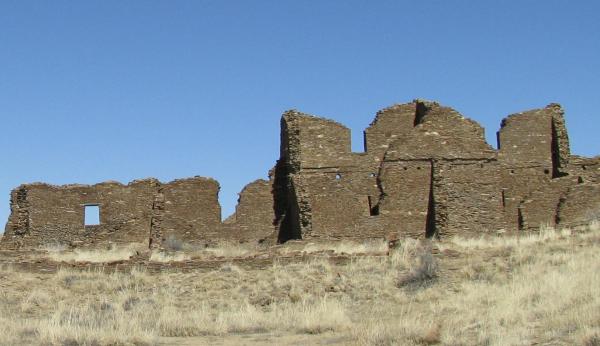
426, 171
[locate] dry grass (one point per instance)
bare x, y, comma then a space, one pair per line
114, 253
348, 247
175, 251
541, 288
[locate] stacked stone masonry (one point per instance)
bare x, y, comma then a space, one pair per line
426, 171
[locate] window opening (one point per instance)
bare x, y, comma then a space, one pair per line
92, 215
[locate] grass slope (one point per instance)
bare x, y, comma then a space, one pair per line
539, 289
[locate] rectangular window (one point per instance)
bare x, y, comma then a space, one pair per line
92, 215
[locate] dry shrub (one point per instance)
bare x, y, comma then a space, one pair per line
591, 339
422, 264
171, 243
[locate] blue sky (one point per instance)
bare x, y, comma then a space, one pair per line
120, 90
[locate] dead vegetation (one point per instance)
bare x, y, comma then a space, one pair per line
536, 289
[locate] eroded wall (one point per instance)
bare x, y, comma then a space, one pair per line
427, 171
44, 214
580, 206
184, 212
534, 150
254, 215
187, 210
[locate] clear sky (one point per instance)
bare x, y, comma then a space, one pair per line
121, 90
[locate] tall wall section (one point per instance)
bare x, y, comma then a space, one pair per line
426, 171
455, 168
324, 190
534, 151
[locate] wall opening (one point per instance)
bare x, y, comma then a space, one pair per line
498, 143
285, 206
520, 221
358, 142
430, 222
373, 208
91, 215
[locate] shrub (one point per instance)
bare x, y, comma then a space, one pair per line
423, 267
172, 243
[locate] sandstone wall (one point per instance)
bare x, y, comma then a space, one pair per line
46, 214
254, 215
389, 125
405, 205
534, 150
580, 206
427, 171
586, 169
187, 210
468, 198
540, 208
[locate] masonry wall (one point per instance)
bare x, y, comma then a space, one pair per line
455, 186
427, 171
540, 207
534, 150
468, 198
586, 169
389, 125
435, 174
580, 206
406, 201
254, 215
189, 211
45, 214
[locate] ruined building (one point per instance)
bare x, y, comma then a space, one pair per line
426, 171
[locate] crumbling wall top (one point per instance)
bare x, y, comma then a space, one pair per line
389, 124
441, 132
313, 142
535, 138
